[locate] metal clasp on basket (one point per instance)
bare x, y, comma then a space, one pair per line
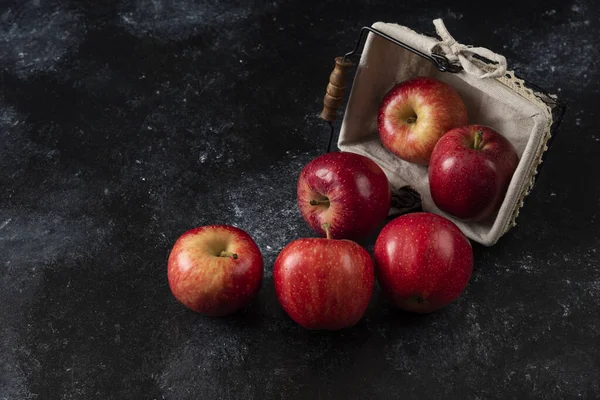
440, 61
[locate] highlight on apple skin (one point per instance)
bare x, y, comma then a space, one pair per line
470, 171
348, 191
415, 113
215, 270
423, 261
324, 283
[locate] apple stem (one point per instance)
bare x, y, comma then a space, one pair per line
319, 202
477, 141
411, 120
326, 227
228, 254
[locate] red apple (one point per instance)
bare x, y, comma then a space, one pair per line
215, 270
415, 113
324, 283
423, 261
470, 170
346, 190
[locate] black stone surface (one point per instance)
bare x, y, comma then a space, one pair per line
125, 123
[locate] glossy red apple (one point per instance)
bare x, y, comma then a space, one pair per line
470, 170
324, 283
347, 190
415, 113
423, 261
215, 270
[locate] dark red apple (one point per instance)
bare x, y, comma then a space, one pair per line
470, 170
324, 283
215, 270
423, 261
415, 113
347, 190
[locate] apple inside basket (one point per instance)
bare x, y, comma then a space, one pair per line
489, 102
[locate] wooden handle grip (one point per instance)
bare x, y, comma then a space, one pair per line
335, 89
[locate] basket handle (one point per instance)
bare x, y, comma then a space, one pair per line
337, 79
335, 89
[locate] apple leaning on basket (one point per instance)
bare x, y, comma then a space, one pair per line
423, 261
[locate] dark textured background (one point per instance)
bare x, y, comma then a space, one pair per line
125, 123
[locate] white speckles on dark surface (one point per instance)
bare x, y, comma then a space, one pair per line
227, 352
8, 119
123, 125
13, 371
35, 39
566, 52
38, 234
261, 195
455, 15
179, 19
